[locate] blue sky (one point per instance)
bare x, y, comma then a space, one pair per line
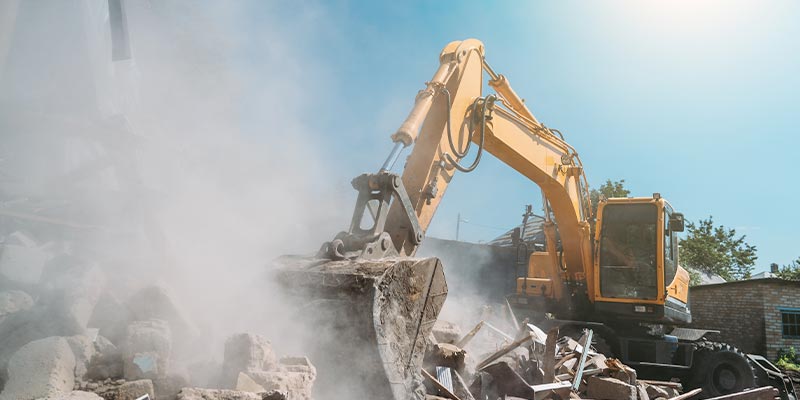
696, 100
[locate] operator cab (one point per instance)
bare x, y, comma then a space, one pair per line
636, 265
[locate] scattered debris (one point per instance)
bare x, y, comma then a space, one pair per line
539, 366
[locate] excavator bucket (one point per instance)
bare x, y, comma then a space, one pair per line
370, 320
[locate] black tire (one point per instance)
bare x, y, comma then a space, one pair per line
720, 369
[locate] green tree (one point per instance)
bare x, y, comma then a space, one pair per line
791, 271
717, 250
607, 190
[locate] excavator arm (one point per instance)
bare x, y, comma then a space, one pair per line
447, 115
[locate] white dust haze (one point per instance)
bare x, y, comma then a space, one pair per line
189, 165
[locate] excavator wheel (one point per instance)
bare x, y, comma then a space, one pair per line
370, 321
720, 369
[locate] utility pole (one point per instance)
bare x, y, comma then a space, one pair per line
458, 224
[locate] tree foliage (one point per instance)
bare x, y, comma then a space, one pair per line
717, 250
791, 271
607, 190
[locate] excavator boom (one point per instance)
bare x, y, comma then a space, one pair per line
364, 276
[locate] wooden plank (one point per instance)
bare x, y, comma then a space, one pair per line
439, 386
512, 316
687, 395
505, 350
674, 385
466, 339
762, 393
549, 362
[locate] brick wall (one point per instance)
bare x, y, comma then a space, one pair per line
737, 312
747, 313
779, 296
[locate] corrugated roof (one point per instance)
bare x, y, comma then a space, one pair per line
751, 282
533, 233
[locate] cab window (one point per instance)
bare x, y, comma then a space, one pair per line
628, 248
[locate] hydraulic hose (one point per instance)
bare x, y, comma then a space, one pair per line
488, 101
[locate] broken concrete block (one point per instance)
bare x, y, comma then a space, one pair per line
246, 384
112, 317
156, 302
447, 355
106, 362
119, 389
655, 392
597, 361
132, 390
294, 377
168, 386
22, 260
146, 350
296, 381
72, 287
626, 374
22, 327
12, 301
602, 388
446, 332
641, 391
246, 352
83, 349
215, 394
41, 368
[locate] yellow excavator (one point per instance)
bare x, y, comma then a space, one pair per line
621, 278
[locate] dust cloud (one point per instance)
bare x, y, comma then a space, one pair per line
189, 165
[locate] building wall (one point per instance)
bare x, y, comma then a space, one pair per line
775, 297
737, 312
747, 313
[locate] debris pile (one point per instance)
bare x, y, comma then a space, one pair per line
67, 332
537, 365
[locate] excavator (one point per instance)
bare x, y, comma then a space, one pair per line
620, 278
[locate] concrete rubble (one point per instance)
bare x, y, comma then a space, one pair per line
67, 332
